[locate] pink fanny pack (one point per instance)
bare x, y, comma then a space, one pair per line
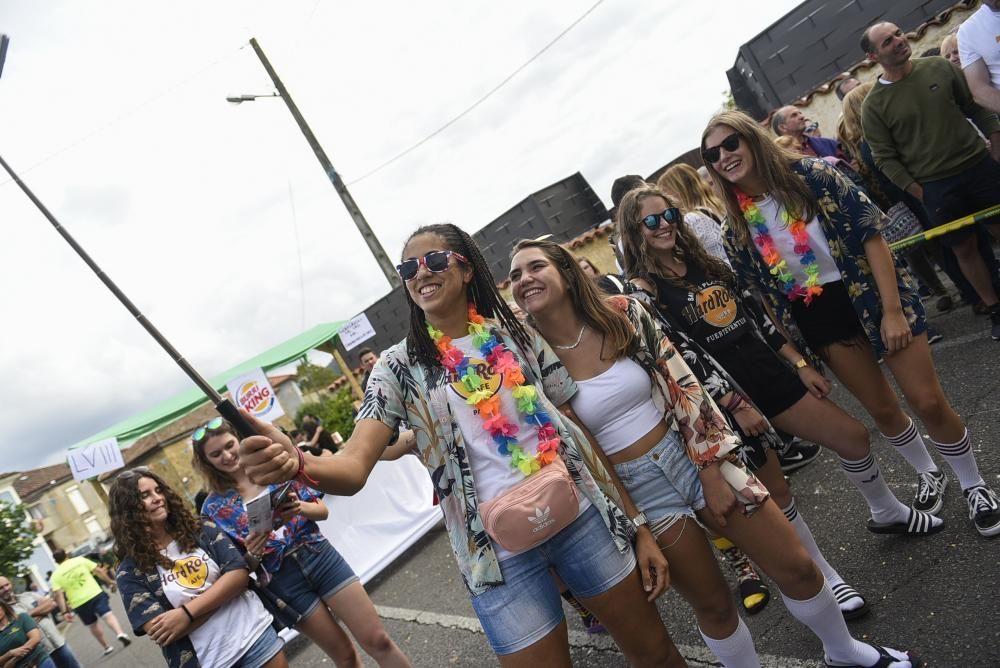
534, 510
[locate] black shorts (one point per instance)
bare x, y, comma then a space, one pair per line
761, 373
973, 190
92, 609
830, 318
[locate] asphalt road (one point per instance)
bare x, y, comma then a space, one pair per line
938, 595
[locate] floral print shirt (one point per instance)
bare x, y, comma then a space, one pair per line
229, 513
848, 218
142, 591
403, 391
704, 431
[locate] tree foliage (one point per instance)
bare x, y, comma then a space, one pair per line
313, 377
335, 413
17, 538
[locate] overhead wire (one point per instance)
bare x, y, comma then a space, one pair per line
478, 102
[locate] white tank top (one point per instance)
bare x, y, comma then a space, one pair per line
617, 405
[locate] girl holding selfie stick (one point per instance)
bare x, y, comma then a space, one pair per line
305, 570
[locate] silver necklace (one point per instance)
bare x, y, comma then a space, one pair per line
578, 339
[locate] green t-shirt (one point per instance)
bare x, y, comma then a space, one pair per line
15, 634
73, 576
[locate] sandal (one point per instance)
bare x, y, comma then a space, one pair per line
919, 523
885, 660
844, 592
753, 593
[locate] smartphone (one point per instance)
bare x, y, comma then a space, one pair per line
278, 497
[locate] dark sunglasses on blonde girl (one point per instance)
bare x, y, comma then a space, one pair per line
713, 153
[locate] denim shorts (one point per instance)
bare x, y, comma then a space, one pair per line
262, 650
527, 606
663, 483
92, 609
311, 573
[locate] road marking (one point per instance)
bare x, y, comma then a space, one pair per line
700, 656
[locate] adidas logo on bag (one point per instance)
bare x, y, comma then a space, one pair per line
541, 519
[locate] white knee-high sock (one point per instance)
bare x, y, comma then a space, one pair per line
911, 445
809, 542
736, 651
961, 460
867, 477
821, 614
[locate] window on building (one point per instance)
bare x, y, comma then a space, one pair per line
93, 526
36, 512
76, 498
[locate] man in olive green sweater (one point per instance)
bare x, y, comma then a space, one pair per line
915, 120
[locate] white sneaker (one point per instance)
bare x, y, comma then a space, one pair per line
108, 650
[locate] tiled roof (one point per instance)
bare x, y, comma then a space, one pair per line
29, 483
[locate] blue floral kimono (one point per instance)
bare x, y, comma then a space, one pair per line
849, 218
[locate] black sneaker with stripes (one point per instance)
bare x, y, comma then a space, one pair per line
984, 510
930, 492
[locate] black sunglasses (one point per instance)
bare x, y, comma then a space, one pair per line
671, 216
730, 143
436, 261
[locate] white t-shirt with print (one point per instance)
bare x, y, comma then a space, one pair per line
491, 470
979, 39
783, 241
232, 628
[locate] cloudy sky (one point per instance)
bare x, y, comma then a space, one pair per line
217, 220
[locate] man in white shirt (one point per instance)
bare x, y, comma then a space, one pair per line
979, 53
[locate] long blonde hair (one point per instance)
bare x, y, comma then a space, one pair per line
849, 131
771, 162
690, 191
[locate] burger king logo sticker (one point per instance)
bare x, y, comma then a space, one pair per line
254, 394
255, 399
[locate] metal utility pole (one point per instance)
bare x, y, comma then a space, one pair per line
387, 266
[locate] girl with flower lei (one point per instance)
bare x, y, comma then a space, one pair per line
858, 309
482, 396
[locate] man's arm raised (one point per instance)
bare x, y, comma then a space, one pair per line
270, 457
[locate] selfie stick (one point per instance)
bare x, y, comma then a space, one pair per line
224, 406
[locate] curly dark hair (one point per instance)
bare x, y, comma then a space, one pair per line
131, 527
482, 292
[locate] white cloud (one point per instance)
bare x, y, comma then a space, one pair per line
114, 112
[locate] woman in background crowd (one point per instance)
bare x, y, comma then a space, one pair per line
305, 570
183, 582
21, 640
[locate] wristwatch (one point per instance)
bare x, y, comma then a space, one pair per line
802, 363
640, 520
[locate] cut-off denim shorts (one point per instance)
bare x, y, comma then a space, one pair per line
663, 483
311, 573
527, 606
263, 649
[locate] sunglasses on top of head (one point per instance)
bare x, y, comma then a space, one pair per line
670, 215
435, 261
200, 433
713, 153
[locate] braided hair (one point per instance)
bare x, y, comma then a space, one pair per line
482, 292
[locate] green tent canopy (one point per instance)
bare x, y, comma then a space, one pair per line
137, 426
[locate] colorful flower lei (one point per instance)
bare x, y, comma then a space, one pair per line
496, 423
779, 267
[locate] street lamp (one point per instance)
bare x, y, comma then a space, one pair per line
240, 99
384, 263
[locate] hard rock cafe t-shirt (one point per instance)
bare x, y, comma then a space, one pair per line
232, 628
491, 470
706, 309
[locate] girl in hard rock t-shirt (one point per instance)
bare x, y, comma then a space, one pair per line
184, 583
